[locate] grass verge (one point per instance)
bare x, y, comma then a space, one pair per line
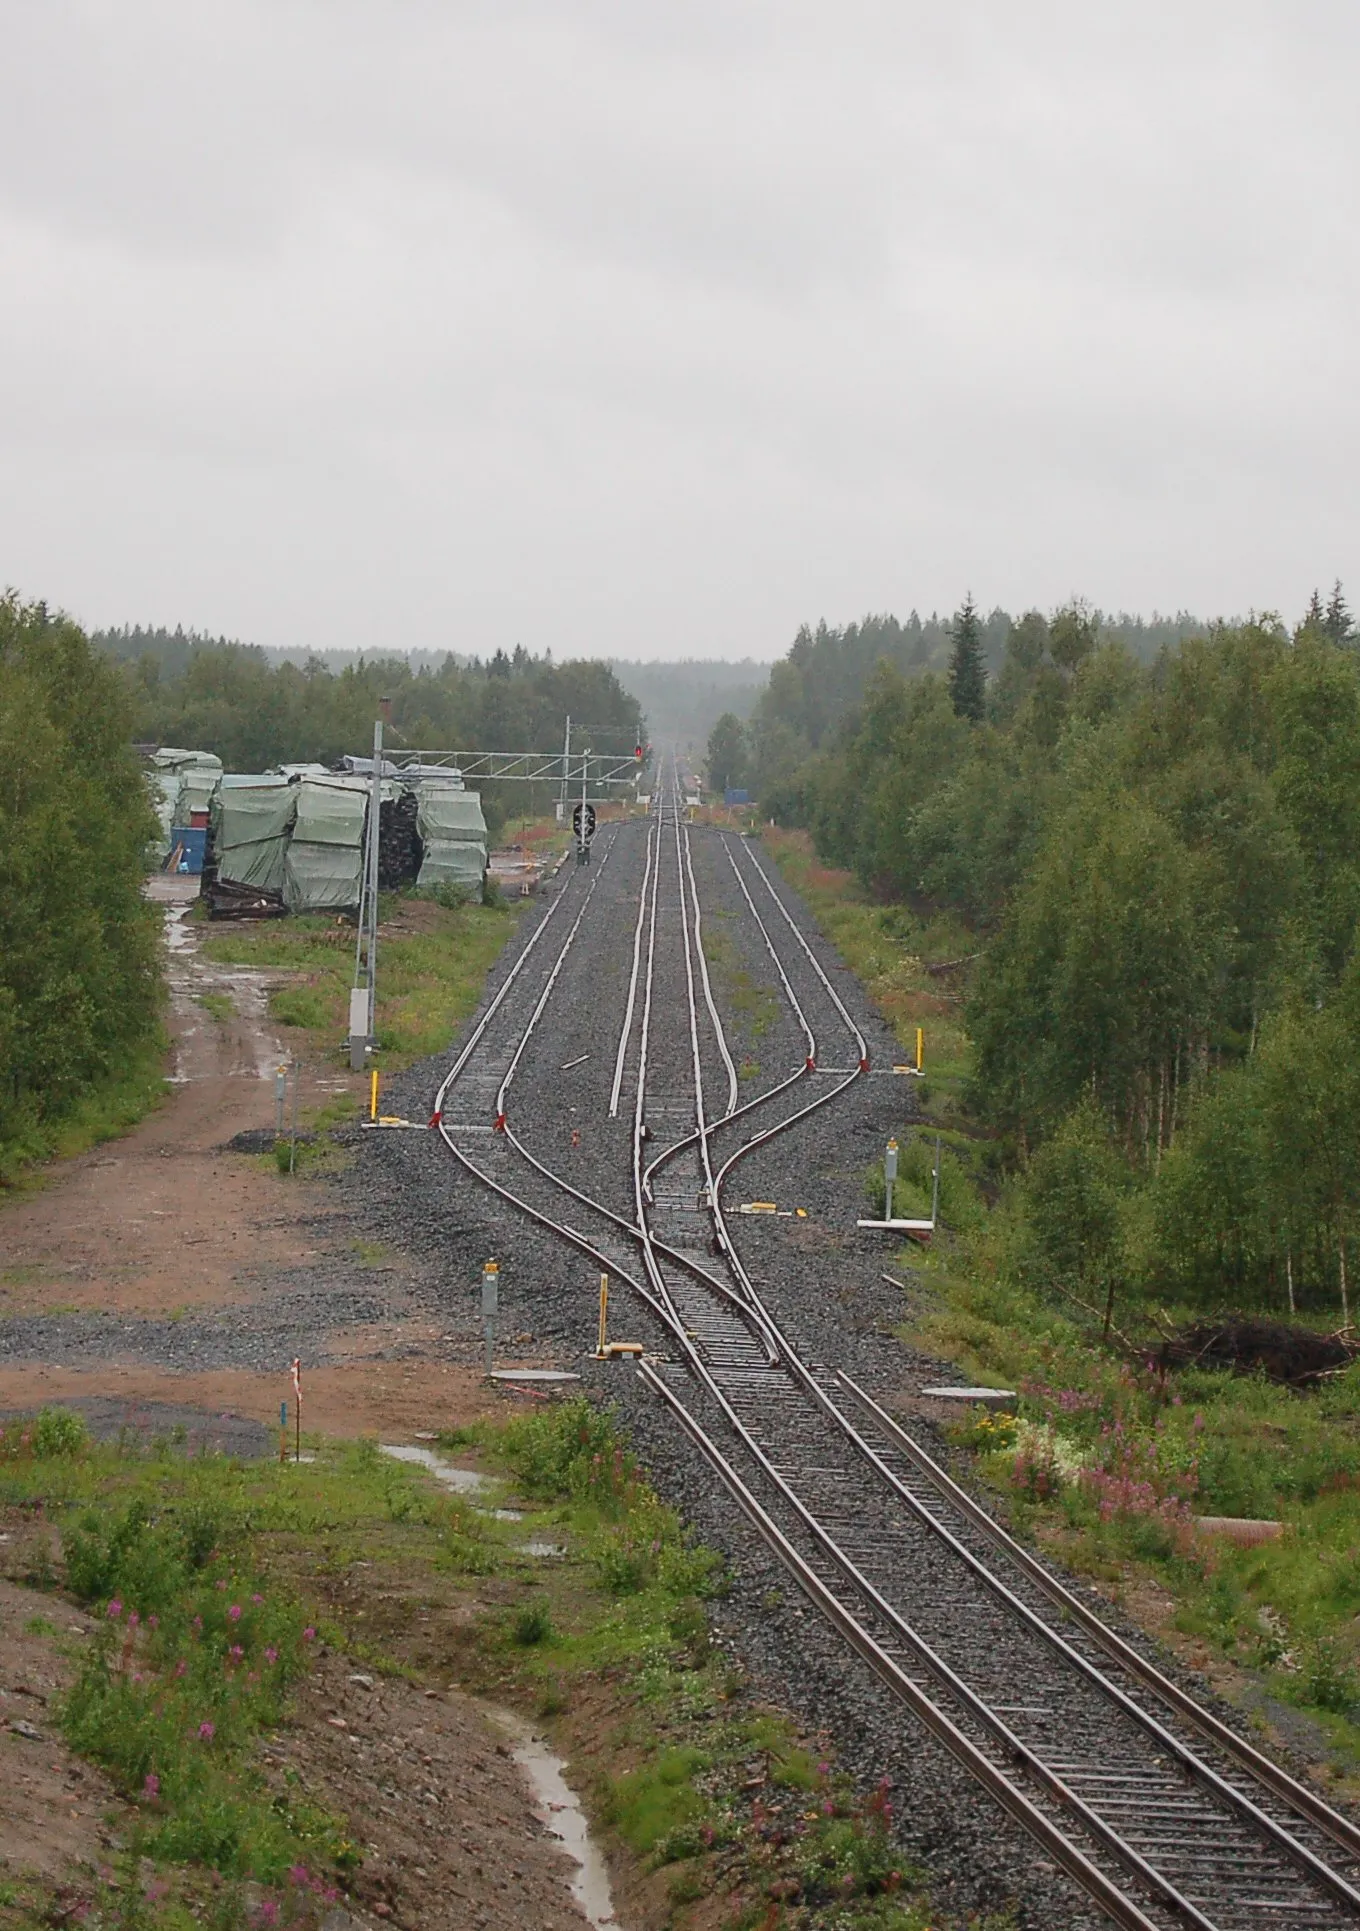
432, 965
215, 1586
100, 1111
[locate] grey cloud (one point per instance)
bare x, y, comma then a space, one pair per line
611, 325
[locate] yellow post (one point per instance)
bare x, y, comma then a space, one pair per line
920, 1050
604, 1315
373, 1095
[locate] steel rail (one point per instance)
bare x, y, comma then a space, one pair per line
813, 960
1116, 1904
1297, 1795
1283, 1786
550, 982
667, 1313
718, 1033
626, 1031
782, 1086
1235, 1800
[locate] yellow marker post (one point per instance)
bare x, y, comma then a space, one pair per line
373, 1096
920, 1050
602, 1347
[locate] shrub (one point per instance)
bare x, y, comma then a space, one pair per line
571, 1452
532, 1624
59, 1431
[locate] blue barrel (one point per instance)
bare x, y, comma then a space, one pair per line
187, 844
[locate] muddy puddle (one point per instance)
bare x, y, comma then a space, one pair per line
555, 1802
557, 1809
463, 1481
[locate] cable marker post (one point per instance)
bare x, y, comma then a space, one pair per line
373, 1095
297, 1404
920, 1049
491, 1276
602, 1345
283, 1431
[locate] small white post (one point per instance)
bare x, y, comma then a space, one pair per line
490, 1308
889, 1176
935, 1188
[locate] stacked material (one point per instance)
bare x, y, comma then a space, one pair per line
398, 839
251, 823
323, 870
170, 767
452, 832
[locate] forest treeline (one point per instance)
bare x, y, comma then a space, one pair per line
1158, 867
229, 698
79, 960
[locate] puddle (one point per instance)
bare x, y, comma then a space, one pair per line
556, 1806
465, 1481
179, 937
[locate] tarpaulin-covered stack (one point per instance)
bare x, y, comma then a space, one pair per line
453, 834
251, 823
324, 867
181, 784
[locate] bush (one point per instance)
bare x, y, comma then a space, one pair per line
191, 1660
59, 1431
532, 1624
571, 1452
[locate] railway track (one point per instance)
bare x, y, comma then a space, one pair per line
1152, 1806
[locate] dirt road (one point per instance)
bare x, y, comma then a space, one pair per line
163, 1267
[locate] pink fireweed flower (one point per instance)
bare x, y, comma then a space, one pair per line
236, 1652
114, 1610
271, 1655
207, 1731
153, 1622
235, 1612
257, 1597
308, 1633
151, 1789
299, 1874
133, 1619
180, 1667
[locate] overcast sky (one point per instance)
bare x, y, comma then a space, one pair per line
655, 329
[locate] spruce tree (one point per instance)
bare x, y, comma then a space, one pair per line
967, 672
1337, 622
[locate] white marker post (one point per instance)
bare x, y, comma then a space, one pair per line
491, 1277
920, 1230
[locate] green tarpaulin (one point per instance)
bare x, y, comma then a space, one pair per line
252, 818
324, 868
179, 780
453, 833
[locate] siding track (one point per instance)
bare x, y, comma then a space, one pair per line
1147, 1801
